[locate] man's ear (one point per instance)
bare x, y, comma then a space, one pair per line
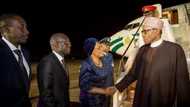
7, 29
158, 32
54, 46
59, 45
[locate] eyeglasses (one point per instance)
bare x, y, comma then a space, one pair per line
148, 30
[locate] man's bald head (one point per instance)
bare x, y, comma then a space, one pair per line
60, 43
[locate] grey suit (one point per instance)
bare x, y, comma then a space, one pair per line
53, 82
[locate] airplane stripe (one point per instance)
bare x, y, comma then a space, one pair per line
115, 48
116, 40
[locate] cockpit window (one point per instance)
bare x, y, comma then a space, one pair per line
131, 26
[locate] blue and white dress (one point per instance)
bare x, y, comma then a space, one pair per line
92, 76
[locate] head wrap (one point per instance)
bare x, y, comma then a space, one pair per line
152, 22
105, 41
89, 45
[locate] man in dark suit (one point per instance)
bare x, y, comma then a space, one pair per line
53, 78
15, 71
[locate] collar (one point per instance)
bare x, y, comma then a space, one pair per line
10, 45
58, 56
156, 43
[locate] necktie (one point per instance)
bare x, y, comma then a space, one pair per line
63, 63
64, 66
20, 62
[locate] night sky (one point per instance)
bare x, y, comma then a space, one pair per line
76, 19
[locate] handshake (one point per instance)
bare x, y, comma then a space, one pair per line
110, 90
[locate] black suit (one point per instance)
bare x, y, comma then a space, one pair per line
53, 82
14, 85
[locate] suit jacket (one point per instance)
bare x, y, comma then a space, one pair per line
14, 85
53, 83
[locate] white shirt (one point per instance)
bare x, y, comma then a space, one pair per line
12, 47
60, 58
156, 43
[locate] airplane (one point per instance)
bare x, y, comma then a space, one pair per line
179, 21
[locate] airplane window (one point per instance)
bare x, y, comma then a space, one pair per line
188, 12
171, 15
